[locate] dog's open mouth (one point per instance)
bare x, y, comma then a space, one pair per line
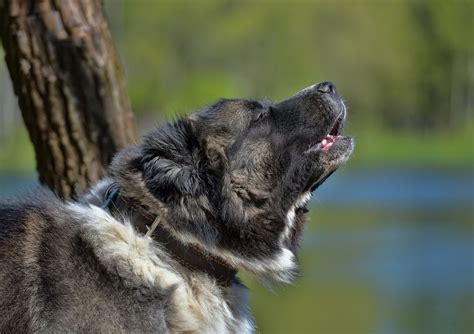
335, 149
333, 135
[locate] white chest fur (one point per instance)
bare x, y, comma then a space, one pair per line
197, 303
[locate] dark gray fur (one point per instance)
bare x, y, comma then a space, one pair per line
227, 176
58, 285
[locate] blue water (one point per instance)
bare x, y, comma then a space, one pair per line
13, 185
381, 188
404, 188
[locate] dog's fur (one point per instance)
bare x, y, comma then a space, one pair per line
233, 179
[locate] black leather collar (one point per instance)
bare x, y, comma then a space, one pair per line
191, 256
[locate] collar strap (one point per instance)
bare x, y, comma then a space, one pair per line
191, 256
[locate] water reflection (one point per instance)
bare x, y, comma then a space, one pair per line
407, 188
386, 251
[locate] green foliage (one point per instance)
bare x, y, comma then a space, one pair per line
401, 64
404, 67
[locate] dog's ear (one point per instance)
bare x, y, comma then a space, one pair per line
170, 161
166, 163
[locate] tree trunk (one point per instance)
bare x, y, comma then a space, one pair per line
70, 88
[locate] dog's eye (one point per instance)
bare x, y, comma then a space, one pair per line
261, 114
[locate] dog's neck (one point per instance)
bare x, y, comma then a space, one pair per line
191, 256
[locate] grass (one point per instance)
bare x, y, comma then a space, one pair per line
452, 149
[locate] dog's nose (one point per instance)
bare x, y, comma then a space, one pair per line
326, 87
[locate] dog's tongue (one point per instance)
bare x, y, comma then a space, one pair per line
327, 142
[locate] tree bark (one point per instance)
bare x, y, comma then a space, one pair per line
70, 88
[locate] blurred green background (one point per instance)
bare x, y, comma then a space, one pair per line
389, 248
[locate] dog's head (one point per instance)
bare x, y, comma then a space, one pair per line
235, 177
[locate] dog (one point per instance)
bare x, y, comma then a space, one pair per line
156, 246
